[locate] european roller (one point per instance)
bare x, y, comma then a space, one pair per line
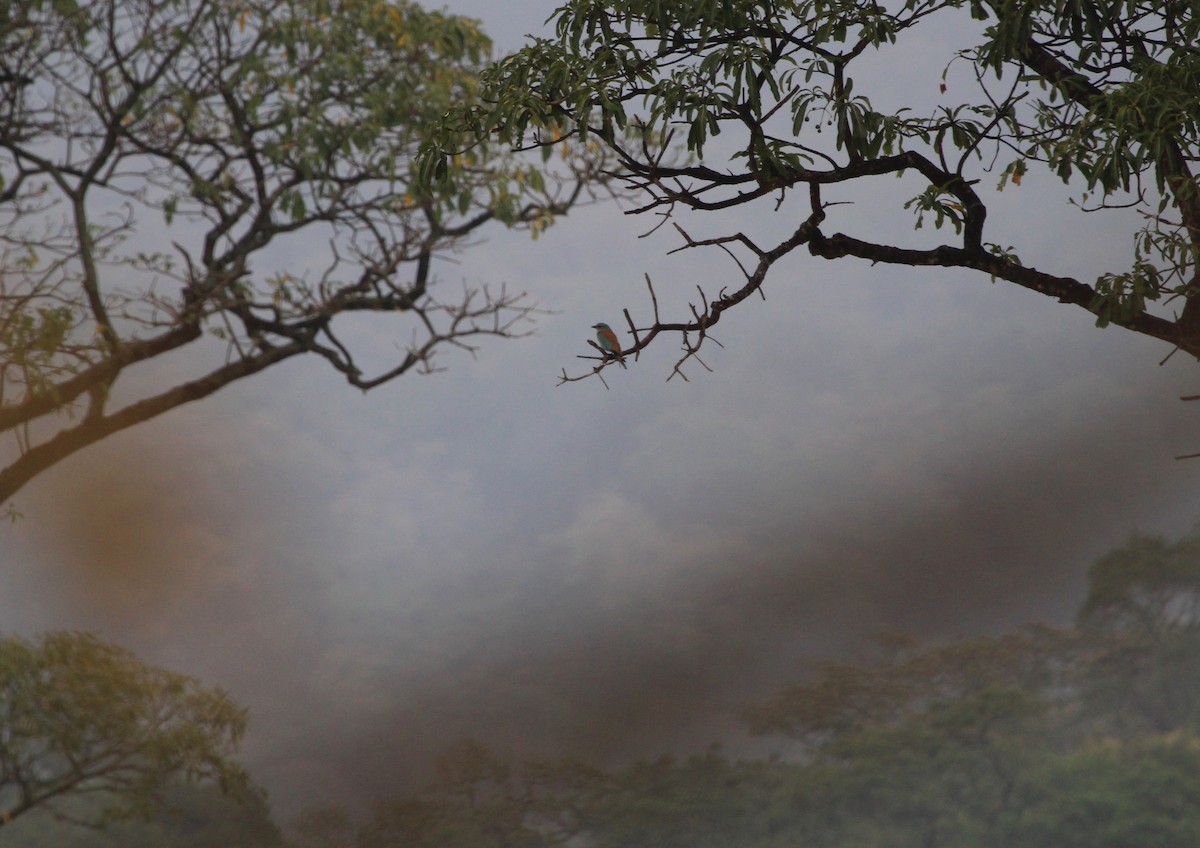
608, 341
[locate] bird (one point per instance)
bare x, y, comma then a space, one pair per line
608, 341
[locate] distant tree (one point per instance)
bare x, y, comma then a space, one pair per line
1143, 601
479, 800
1042, 737
1147, 585
990, 742
1100, 94
930, 745
84, 719
1115, 795
476, 799
703, 801
323, 827
911, 679
196, 815
222, 186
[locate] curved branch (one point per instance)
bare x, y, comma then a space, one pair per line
91, 430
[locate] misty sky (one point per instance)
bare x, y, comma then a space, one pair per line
612, 572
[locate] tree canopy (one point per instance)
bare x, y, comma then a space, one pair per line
81, 718
193, 815
1039, 737
785, 105
224, 186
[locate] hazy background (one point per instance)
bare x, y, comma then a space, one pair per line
611, 572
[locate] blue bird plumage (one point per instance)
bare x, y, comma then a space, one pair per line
608, 341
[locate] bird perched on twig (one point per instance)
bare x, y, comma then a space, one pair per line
607, 340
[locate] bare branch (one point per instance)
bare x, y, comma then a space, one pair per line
248, 138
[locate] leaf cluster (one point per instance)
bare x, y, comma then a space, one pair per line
173, 171
82, 717
1101, 95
